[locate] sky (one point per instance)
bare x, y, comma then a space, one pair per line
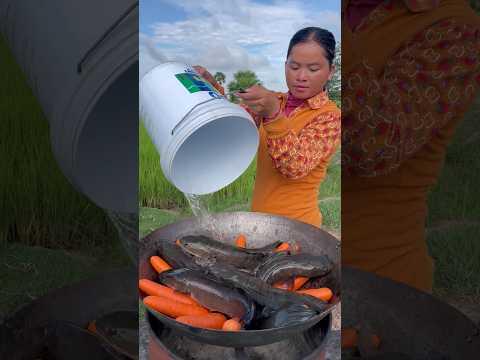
230, 35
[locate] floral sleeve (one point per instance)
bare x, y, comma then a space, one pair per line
426, 84
296, 155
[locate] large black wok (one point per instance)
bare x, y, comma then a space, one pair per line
260, 229
408, 321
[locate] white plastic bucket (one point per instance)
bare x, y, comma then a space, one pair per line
205, 142
81, 60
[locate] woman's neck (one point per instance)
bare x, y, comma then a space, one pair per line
292, 103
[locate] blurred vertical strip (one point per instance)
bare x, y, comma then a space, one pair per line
410, 164
69, 179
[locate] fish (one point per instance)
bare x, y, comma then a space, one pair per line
175, 257
260, 291
280, 267
210, 294
206, 248
329, 281
288, 316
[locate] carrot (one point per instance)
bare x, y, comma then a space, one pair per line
299, 282
375, 340
241, 241
92, 326
232, 325
173, 308
324, 294
349, 338
284, 285
282, 247
154, 289
206, 321
159, 264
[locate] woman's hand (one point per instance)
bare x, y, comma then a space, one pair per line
260, 101
206, 75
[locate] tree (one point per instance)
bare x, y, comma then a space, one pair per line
334, 86
242, 80
220, 77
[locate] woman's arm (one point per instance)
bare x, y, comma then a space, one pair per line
207, 76
428, 83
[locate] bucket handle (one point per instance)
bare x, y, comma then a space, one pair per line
111, 28
188, 113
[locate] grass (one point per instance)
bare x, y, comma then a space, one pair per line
151, 219
28, 272
453, 224
457, 264
39, 206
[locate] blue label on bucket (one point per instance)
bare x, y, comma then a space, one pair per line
194, 83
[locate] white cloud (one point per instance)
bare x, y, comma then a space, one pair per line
149, 54
235, 35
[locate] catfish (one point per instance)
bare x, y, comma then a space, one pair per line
206, 248
258, 290
209, 293
281, 266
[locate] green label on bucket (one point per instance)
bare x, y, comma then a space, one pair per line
193, 83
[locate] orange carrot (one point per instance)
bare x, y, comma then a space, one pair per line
154, 289
159, 264
206, 321
349, 338
282, 247
299, 282
241, 241
232, 325
324, 294
283, 285
375, 340
173, 308
92, 326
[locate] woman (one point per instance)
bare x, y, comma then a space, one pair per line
412, 69
299, 130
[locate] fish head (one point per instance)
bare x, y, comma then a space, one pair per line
193, 246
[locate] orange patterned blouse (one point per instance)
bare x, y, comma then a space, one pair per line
429, 81
411, 70
293, 156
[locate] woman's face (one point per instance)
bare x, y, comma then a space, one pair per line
307, 70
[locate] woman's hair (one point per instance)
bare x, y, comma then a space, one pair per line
322, 37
